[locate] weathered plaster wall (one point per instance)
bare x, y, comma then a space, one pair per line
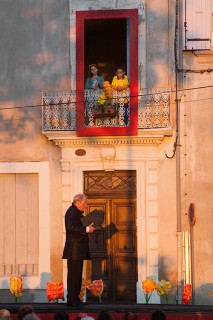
159, 43
34, 57
197, 167
168, 224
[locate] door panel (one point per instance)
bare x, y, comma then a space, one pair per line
124, 250
98, 239
124, 241
99, 267
114, 247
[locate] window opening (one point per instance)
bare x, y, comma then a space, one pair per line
105, 44
108, 39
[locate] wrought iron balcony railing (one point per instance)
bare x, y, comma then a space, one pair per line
59, 109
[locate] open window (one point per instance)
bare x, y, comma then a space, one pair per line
108, 39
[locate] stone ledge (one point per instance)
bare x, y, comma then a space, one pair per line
201, 56
69, 139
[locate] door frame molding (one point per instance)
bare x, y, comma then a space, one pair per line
147, 207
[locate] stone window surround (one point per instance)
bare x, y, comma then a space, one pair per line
88, 6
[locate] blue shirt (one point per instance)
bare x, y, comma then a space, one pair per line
89, 82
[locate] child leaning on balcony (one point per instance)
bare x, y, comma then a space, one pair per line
120, 82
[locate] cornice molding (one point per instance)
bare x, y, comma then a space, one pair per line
69, 140
109, 142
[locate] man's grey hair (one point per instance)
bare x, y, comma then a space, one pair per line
31, 316
4, 314
79, 197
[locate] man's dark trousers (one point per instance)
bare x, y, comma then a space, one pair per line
74, 279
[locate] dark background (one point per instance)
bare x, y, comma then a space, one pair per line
105, 44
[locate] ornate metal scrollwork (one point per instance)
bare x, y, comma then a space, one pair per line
59, 109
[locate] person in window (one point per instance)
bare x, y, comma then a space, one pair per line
120, 82
94, 81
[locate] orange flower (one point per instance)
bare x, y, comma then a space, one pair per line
148, 286
108, 89
211, 294
187, 294
55, 291
96, 287
106, 84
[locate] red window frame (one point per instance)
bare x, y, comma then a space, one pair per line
81, 16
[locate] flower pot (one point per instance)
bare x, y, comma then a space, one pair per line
103, 111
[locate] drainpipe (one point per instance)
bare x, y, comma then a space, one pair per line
178, 187
178, 195
176, 151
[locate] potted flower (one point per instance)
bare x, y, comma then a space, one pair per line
55, 291
187, 294
96, 287
162, 288
16, 286
148, 286
105, 106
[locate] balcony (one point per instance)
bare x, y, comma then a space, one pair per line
59, 112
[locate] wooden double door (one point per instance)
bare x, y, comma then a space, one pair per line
114, 247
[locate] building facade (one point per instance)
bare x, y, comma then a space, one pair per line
196, 80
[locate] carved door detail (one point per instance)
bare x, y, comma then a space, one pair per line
114, 247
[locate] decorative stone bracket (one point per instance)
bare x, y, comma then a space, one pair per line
108, 158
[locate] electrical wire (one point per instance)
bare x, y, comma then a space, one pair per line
82, 101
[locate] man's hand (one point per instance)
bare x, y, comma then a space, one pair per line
91, 228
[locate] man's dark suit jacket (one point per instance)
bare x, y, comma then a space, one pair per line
77, 240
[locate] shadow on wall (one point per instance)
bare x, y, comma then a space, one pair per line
34, 58
19, 125
202, 294
159, 57
168, 272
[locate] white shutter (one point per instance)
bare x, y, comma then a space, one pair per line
197, 24
19, 229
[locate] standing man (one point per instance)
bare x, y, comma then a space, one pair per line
76, 248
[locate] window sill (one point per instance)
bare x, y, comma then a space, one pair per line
202, 56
